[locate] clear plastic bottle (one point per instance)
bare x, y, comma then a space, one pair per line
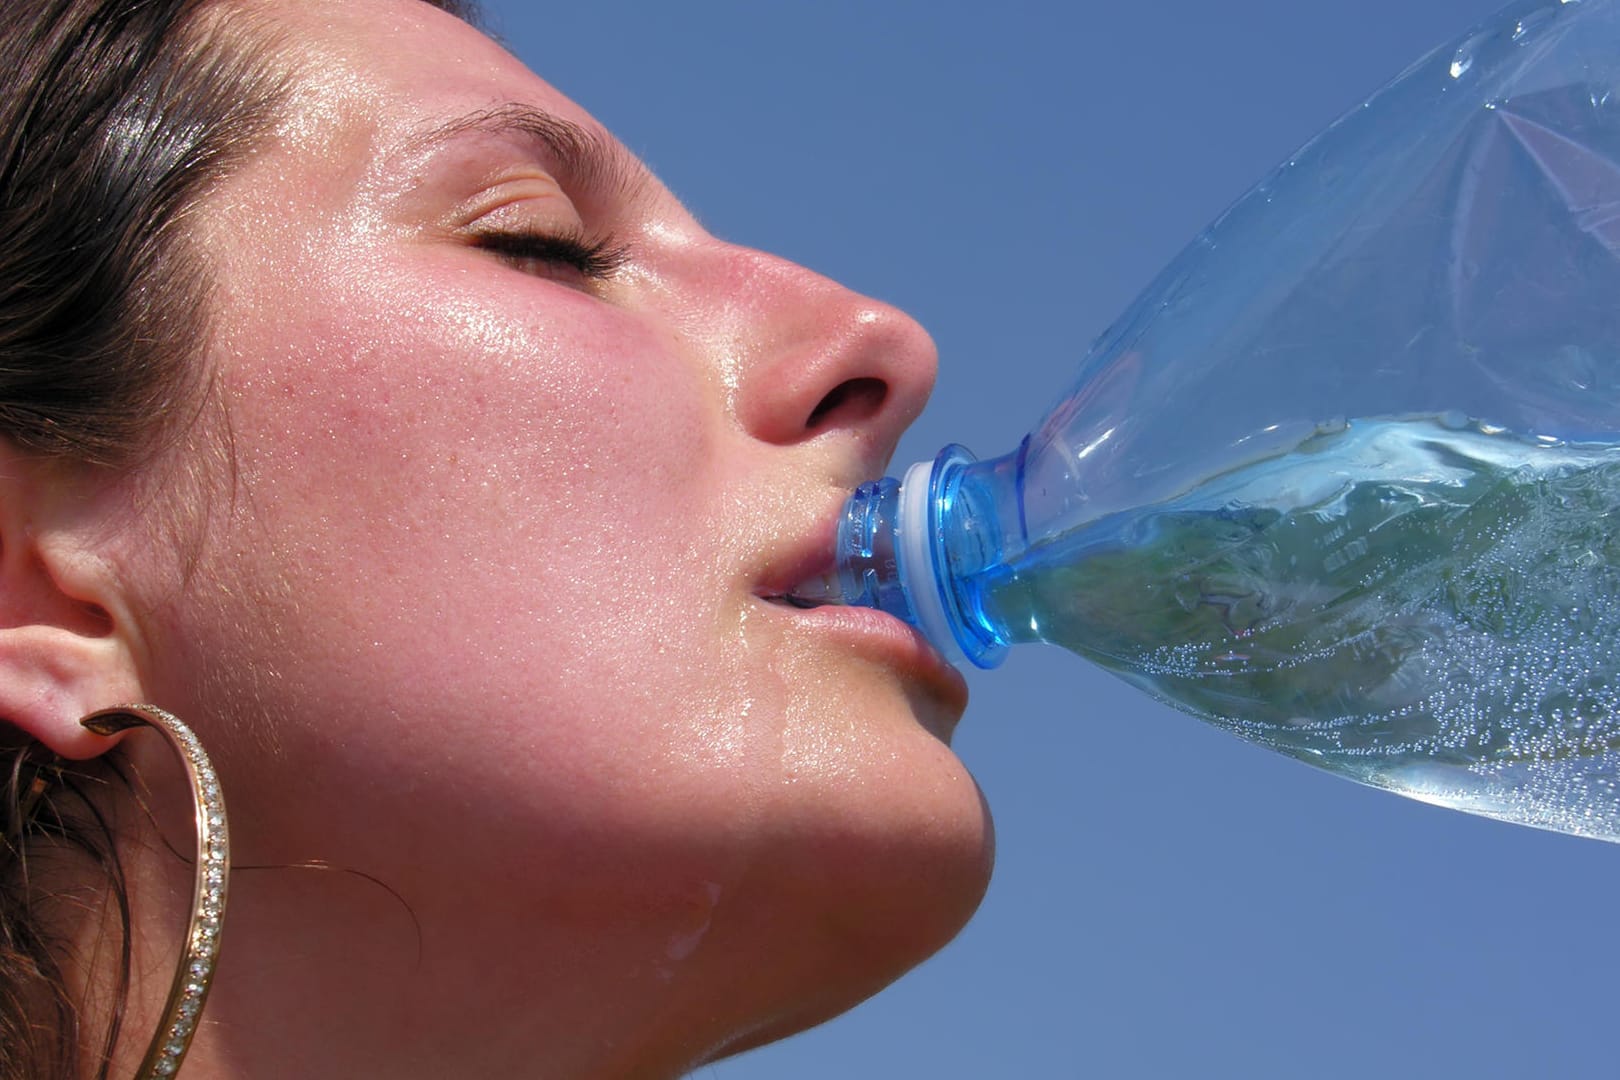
1346, 478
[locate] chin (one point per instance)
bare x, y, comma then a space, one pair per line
888, 912
859, 901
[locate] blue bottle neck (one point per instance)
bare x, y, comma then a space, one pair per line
919, 548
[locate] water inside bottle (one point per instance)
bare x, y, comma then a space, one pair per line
1428, 605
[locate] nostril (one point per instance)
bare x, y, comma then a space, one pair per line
850, 402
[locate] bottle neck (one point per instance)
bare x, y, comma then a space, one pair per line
916, 547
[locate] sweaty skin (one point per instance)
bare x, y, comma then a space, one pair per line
512, 458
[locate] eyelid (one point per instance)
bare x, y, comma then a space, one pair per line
529, 220
585, 160
595, 258
529, 197
525, 215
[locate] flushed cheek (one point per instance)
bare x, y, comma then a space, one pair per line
522, 422
506, 480
566, 379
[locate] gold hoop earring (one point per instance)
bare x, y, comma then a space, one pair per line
198, 958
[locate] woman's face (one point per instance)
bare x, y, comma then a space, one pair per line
484, 606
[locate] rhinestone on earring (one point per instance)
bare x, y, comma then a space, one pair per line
201, 952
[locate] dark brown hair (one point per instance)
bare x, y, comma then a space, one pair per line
116, 117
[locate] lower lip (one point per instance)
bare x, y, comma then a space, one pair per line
883, 637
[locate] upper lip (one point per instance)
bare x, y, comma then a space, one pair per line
809, 557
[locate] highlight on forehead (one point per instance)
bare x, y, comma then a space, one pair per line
586, 158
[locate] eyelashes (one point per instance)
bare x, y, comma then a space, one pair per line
544, 254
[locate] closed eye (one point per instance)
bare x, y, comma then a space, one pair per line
543, 254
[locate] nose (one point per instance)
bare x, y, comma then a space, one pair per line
808, 357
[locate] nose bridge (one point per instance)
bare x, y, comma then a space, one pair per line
806, 355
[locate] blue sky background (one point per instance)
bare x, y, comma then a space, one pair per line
1168, 901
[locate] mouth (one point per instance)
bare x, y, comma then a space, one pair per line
802, 603
819, 590
806, 586
805, 576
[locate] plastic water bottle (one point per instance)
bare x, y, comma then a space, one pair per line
1345, 479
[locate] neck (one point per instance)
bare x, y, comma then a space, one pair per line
328, 974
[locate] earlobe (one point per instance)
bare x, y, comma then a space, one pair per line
62, 653
50, 677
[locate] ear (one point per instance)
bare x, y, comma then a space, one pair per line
65, 640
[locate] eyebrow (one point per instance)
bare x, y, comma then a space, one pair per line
586, 159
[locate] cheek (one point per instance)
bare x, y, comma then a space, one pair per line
552, 389
484, 565
490, 496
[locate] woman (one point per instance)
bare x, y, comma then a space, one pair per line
376, 413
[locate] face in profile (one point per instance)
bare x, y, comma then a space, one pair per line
521, 462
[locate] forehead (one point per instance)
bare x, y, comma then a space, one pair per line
397, 70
